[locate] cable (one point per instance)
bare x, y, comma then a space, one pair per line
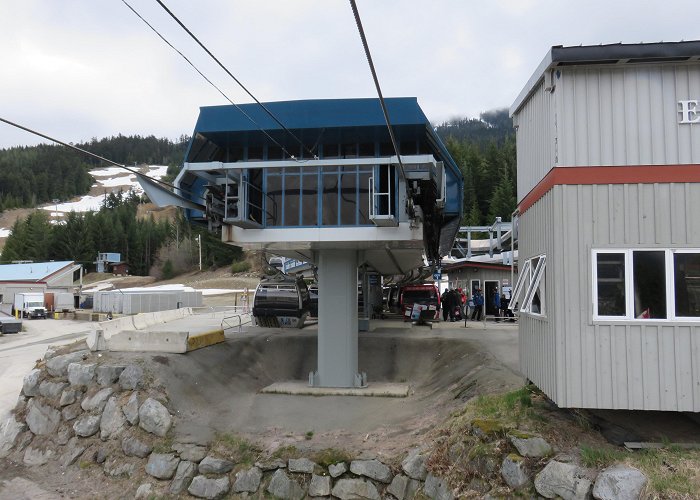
358, 21
207, 79
236, 79
102, 158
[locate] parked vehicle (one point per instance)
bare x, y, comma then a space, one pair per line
281, 301
30, 305
426, 295
313, 304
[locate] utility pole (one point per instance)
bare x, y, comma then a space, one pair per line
199, 240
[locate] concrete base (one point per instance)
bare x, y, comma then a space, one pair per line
377, 389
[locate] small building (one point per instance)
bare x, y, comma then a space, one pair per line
608, 145
489, 274
119, 268
54, 277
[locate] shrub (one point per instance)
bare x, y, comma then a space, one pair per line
168, 270
240, 266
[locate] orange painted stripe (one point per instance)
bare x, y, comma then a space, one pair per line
628, 174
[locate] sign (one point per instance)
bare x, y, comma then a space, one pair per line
437, 275
689, 111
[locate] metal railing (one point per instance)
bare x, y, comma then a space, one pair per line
229, 322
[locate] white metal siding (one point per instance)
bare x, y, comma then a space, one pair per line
625, 115
535, 139
638, 365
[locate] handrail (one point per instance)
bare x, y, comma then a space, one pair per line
225, 325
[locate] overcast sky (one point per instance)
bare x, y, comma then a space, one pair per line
78, 69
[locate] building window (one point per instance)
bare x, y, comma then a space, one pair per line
654, 284
529, 292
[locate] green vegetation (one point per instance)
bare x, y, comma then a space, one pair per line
601, 457
309, 435
286, 452
331, 456
168, 271
240, 266
236, 449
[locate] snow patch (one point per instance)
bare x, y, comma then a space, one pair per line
4, 233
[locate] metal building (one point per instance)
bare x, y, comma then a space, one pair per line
55, 277
608, 144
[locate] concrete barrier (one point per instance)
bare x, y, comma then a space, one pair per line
205, 339
142, 341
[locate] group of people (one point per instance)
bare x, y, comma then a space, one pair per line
456, 305
452, 302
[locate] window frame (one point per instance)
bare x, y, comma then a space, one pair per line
530, 280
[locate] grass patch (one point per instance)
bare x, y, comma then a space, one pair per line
331, 456
309, 435
286, 452
240, 267
601, 457
85, 464
164, 445
236, 449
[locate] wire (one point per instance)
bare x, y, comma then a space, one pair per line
358, 21
102, 158
236, 79
207, 79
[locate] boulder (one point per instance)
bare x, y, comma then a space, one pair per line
301, 465
101, 455
211, 465
131, 377
479, 486
30, 385
513, 471
183, 476
35, 456
414, 465
437, 488
64, 434
248, 480
96, 401
41, 418
203, 487
338, 469
398, 486
281, 486
87, 425
162, 465
272, 464
190, 452
107, 375
9, 431
372, 469
79, 374
115, 467
74, 449
23, 440
134, 447
131, 409
350, 489
562, 479
530, 446
485, 428
58, 365
144, 491
414, 486
71, 412
320, 486
154, 417
21, 404
113, 420
51, 390
69, 396
619, 482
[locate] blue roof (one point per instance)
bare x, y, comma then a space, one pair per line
36, 271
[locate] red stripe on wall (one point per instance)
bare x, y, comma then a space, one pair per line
628, 174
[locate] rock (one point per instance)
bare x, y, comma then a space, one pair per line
349, 489
414, 465
134, 447
413, 488
73, 451
101, 455
619, 482
58, 365
484, 466
479, 486
301, 465
69, 396
202, 487
107, 375
23, 440
530, 446
437, 488
87, 425
272, 464
183, 475
338, 469
51, 390
398, 486
72, 411
565, 480
21, 404
284, 488
34, 456
115, 467
9, 431
144, 491
41, 418
131, 378
484, 428
320, 486
191, 452
211, 465
248, 480
113, 420
96, 401
372, 469
131, 409
513, 471
30, 385
154, 417
64, 434
162, 465
79, 374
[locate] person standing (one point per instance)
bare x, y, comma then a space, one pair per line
478, 305
497, 304
444, 305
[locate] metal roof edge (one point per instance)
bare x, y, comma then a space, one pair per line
531, 83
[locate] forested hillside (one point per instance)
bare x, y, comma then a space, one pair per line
484, 149
33, 175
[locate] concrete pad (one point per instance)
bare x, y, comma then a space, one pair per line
145, 341
205, 339
376, 389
